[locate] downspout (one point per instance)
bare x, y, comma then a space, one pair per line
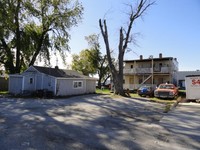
42, 85
9, 84
22, 84
55, 94
35, 81
86, 86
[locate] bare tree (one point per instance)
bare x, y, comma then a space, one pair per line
124, 39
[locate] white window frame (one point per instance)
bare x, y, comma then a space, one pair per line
77, 84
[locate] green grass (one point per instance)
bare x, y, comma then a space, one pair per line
168, 103
3, 92
154, 99
135, 95
103, 91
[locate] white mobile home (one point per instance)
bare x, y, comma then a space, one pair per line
58, 81
192, 83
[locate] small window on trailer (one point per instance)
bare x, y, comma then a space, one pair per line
77, 84
31, 80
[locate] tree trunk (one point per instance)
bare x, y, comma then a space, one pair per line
18, 41
99, 81
37, 50
106, 79
117, 77
118, 85
9, 62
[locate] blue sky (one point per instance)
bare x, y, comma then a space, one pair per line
170, 27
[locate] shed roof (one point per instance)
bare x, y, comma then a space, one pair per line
56, 72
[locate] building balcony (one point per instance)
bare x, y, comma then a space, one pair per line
138, 71
146, 70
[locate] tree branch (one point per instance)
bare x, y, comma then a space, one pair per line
133, 16
105, 37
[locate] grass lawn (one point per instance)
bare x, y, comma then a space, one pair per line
103, 91
168, 103
3, 92
153, 99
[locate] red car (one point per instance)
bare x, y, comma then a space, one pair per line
166, 91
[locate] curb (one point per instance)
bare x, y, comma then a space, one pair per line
171, 107
174, 105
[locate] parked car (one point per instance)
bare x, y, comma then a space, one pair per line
146, 90
166, 91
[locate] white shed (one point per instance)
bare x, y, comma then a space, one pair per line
58, 81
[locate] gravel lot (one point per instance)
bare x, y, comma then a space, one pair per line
82, 122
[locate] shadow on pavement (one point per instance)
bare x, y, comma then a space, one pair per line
74, 123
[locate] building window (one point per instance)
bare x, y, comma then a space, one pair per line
131, 66
131, 80
140, 80
78, 84
31, 80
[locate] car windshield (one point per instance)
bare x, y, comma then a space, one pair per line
166, 86
145, 87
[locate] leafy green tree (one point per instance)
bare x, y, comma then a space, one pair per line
103, 71
85, 62
91, 61
79, 63
31, 29
102, 67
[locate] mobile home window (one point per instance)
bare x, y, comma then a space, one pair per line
77, 84
31, 81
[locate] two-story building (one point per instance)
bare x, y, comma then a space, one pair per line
150, 71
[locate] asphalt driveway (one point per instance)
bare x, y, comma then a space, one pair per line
88, 122
182, 127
